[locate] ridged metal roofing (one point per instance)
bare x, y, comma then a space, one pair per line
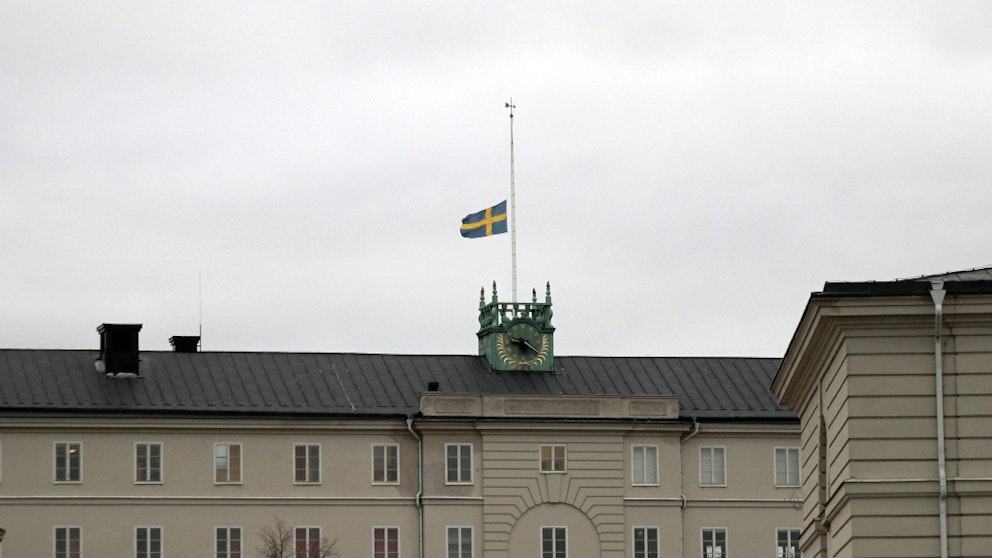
349, 384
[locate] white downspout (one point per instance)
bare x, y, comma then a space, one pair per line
682, 441
420, 482
937, 294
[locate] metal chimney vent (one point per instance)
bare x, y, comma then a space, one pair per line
184, 343
118, 348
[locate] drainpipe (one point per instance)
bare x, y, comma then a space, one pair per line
937, 294
420, 482
682, 441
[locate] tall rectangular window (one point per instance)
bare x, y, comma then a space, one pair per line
645, 542
68, 461
147, 462
228, 542
385, 464
148, 542
307, 542
787, 543
714, 543
68, 542
306, 459
458, 459
553, 458
459, 542
227, 463
712, 467
786, 466
553, 542
386, 542
644, 465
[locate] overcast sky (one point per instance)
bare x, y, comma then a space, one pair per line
296, 172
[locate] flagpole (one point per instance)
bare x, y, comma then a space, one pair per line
513, 207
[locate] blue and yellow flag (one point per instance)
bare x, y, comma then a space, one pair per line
487, 222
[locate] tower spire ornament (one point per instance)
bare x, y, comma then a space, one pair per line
517, 336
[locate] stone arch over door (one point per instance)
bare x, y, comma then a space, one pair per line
583, 536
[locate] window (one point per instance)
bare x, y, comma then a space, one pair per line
227, 463
306, 458
147, 462
148, 542
553, 544
645, 542
712, 469
553, 458
385, 464
644, 465
307, 541
459, 463
228, 542
459, 542
786, 466
68, 542
386, 542
68, 462
787, 544
714, 543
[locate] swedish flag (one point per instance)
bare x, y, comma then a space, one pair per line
487, 222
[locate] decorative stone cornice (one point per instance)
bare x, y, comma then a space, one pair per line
433, 404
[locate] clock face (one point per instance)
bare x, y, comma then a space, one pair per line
522, 345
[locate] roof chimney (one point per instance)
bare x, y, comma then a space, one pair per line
184, 343
118, 348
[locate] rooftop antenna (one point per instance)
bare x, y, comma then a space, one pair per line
513, 207
199, 318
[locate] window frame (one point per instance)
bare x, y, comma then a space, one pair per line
459, 532
459, 459
68, 552
386, 530
68, 465
713, 531
789, 450
309, 470
159, 469
227, 530
633, 461
553, 459
308, 542
544, 529
385, 464
229, 469
646, 553
148, 531
789, 531
723, 471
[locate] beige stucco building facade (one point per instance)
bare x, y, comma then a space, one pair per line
893, 385
504, 501
190, 454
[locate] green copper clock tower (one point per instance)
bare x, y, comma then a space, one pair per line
517, 336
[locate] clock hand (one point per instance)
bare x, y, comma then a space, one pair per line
524, 342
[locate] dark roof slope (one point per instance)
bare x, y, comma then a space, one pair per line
969, 281
348, 384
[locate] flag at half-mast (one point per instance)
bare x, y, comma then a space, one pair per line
487, 222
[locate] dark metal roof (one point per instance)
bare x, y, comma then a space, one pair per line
970, 281
365, 385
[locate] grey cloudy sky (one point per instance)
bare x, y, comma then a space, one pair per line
687, 173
